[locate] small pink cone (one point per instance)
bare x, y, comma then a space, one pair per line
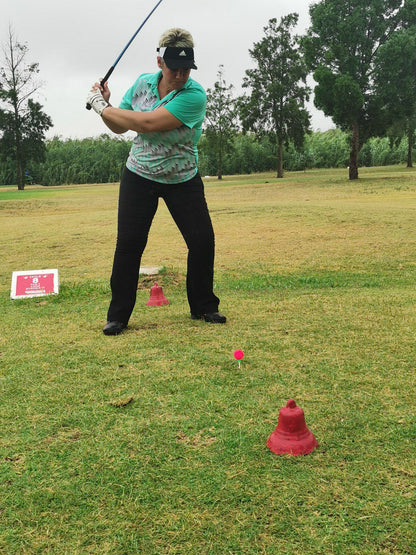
291, 434
157, 297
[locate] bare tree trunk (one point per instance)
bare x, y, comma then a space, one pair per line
19, 161
220, 158
20, 177
353, 167
280, 158
410, 139
15, 77
19, 168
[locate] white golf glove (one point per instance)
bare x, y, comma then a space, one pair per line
96, 101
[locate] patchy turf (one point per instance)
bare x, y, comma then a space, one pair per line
155, 441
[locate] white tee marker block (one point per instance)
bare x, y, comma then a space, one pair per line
150, 270
34, 283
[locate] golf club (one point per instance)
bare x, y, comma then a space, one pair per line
110, 71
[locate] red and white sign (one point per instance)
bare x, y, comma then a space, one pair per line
34, 283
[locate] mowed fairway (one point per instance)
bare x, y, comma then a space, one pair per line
154, 442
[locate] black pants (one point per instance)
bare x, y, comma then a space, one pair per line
138, 203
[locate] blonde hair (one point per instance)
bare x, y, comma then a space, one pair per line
177, 37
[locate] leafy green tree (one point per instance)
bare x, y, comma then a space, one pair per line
221, 118
395, 79
342, 46
276, 104
22, 122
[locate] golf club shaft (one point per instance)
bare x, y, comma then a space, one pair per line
110, 71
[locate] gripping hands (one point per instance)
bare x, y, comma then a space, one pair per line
96, 100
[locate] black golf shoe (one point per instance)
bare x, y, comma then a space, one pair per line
211, 317
114, 328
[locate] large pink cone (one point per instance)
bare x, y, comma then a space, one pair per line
157, 297
291, 434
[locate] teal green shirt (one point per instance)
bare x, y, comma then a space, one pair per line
166, 156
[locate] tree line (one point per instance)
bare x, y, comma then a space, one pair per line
102, 159
361, 53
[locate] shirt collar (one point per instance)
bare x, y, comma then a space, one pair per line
154, 80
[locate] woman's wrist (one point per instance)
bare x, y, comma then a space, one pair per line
106, 108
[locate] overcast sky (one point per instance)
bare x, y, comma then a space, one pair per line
76, 42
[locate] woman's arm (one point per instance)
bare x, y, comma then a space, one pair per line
118, 129
141, 122
119, 120
105, 91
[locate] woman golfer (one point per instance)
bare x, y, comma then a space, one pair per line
166, 109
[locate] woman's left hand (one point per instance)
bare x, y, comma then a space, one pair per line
96, 100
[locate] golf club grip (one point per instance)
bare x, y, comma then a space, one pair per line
103, 80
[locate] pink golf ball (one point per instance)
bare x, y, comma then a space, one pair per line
238, 354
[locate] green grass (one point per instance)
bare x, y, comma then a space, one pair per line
154, 442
